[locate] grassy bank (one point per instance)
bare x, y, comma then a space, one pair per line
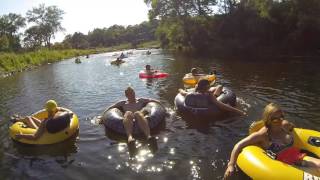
14, 62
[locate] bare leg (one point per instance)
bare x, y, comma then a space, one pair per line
311, 162
31, 122
143, 123
128, 124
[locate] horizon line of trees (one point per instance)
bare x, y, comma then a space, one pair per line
238, 27
227, 27
112, 36
44, 22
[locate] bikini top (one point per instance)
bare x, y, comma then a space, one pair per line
277, 145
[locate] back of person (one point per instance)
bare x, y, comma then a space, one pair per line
59, 122
198, 100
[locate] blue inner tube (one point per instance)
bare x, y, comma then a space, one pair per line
210, 111
154, 113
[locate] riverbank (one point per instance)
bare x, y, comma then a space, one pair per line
17, 62
11, 63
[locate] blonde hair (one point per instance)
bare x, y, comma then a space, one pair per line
268, 112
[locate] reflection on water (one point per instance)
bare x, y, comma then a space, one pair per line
187, 150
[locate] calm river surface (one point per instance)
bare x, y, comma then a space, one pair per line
184, 152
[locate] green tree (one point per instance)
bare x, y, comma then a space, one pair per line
9, 27
48, 19
78, 40
34, 37
4, 43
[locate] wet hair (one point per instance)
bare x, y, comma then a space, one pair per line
148, 67
128, 90
268, 113
194, 71
202, 85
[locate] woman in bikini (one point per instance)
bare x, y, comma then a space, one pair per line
276, 136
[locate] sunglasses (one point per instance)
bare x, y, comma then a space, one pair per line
277, 118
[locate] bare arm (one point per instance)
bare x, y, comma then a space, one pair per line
254, 138
226, 107
183, 92
116, 105
65, 110
147, 100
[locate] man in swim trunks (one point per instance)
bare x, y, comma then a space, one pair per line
132, 112
148, 70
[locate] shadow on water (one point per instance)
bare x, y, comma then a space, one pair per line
204, 125
65, 148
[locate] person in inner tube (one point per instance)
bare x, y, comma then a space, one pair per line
149, 71
194, 73
118, 60
132, 112
276, 137
40, 125
203, 87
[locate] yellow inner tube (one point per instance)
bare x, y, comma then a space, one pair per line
188, 79
256, 163
46, 137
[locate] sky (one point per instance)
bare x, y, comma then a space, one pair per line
85, 15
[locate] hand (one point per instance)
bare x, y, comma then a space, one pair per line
18, 136
243, 113
229, 171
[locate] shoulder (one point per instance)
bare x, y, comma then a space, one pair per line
261, 134
287, 126
120, 103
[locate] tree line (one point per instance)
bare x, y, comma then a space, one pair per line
238, 27
226, 27
44, 22
112, 36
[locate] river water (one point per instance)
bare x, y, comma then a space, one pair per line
184, 152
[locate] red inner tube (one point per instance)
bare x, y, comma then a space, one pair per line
156, 74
